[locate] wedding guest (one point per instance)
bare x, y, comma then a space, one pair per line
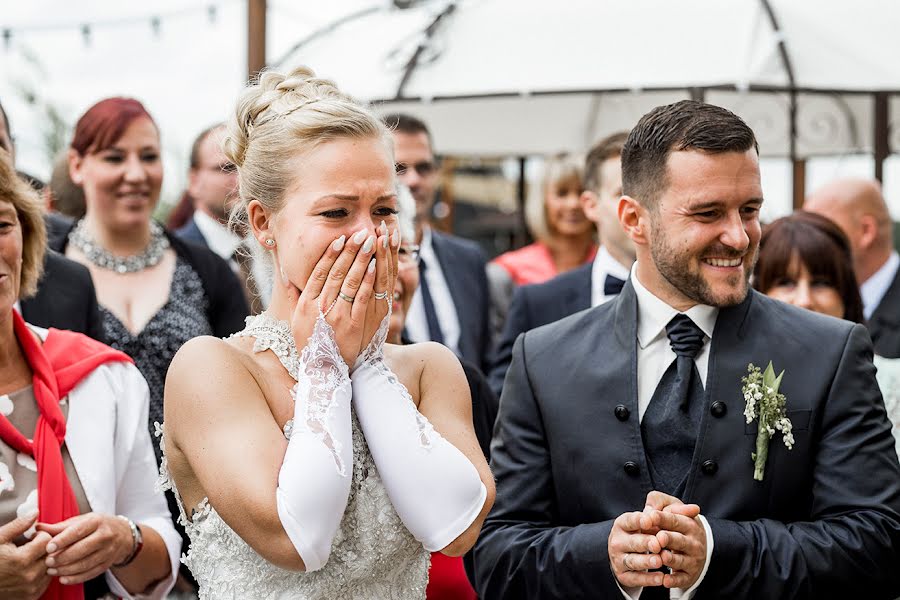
858, 207
364, 456
212, 189
805, 260
451, 304
643, 434
65, 297
583, 287
155, 291
564, 236
63, 196
446, 577
78, 512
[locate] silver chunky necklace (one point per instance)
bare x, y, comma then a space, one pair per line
103, 258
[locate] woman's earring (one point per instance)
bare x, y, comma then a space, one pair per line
270, 243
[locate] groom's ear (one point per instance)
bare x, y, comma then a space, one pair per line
634, 220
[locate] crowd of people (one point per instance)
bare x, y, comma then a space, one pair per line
298, 387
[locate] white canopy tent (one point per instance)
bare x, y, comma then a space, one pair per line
520, 77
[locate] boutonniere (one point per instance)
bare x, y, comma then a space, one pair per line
764, 401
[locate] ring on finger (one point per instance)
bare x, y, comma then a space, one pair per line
344, 296
625, 562
381, 295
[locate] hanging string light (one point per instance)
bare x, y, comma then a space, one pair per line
87, 29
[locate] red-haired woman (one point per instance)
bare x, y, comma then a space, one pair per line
155, 291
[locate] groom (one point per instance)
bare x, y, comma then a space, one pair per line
619, 424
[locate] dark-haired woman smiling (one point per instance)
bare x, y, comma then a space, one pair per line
805, 260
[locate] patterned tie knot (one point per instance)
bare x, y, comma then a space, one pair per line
685, 337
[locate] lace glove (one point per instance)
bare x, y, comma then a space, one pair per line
434, 488
314, 481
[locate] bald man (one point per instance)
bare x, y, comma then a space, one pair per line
858, 207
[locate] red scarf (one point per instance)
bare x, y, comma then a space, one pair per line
61, 363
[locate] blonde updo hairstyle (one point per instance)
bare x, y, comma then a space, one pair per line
280, 118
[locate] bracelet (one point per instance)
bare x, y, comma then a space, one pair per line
137, 542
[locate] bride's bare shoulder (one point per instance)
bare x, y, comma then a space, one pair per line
210, 370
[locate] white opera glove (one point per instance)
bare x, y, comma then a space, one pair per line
314, 481
434, 488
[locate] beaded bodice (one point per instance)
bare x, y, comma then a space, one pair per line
373, 556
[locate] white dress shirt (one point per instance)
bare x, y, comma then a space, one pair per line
604, 264
219, 238
416, 323
654, 355
875, 287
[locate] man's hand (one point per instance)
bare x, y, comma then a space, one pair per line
681, 536
633, 547
23, 573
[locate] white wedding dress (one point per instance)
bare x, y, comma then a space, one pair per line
373, 555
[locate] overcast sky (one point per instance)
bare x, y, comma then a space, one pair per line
188, 74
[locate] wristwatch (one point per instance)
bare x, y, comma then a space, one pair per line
137, 539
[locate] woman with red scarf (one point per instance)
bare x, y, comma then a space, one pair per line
78, 514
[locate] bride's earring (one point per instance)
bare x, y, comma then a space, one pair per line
270, 243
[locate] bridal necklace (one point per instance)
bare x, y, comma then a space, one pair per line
103, 258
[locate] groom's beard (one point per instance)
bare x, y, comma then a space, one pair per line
684, 271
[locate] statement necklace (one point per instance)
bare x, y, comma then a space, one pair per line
103, 258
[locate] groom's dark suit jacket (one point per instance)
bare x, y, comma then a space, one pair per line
824, 523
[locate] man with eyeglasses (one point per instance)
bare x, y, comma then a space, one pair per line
65, 297
212, 189
451, 304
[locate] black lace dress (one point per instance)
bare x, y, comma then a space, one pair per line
182, 317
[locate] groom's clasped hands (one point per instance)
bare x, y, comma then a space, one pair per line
667, 533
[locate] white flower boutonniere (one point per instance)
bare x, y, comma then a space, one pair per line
763, 400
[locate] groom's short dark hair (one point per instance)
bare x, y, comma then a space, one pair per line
684, 125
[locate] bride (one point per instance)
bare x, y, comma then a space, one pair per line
315, 461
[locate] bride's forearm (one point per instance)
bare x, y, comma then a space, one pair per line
435, 489
314, 480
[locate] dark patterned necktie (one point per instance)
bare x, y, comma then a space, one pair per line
612, 285
434, 326
670, 423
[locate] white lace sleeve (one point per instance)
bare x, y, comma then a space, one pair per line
313, 484
435, 489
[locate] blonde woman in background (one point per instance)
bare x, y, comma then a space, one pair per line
311, 460
565, 237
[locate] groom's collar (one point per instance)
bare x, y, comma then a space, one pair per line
654, 314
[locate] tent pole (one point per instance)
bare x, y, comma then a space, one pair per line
521, 189
256, 37
881, 138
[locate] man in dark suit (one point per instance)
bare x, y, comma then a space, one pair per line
584, 287
65, 298
613, 420
858, 207
212, 189
451, 304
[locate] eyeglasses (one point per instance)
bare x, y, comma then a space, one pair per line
422, 169
408, 256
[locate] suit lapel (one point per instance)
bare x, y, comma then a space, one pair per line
728, 359
458, 294
622, 363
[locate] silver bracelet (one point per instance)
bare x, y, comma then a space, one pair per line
137, 540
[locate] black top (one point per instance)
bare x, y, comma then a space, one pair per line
227, 306
65, 298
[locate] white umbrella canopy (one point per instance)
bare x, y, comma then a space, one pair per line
500, 77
